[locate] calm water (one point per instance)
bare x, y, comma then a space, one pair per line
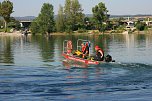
32, 70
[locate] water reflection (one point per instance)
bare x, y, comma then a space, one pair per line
49, 49
72, 64
132, 48
39, 72
6, 54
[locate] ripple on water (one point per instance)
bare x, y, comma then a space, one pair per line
107, 80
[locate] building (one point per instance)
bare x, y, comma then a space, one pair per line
25, 24
148, 23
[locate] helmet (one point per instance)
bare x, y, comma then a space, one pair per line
96, 47
86, 43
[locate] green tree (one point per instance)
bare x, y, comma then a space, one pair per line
140, 26
13, 23
73, 15
45, 19
67, 13
6, 9
77, 15
88, 22
1, 23
100, 15
60, 26
34, 26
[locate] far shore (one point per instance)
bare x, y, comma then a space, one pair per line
18, 33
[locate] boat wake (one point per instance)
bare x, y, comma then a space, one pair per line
72, 64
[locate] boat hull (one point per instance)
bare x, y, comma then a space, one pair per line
74, 58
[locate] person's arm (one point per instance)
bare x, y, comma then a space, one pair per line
85, 53
101, 53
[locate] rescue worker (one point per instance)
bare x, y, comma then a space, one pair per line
99, 54
86, 50
69, 47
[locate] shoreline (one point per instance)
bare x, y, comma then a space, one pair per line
18, 33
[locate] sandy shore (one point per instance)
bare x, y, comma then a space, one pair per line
16, 33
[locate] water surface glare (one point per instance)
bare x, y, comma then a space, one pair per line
32, 69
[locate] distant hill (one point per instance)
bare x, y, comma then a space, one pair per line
25, 18
117, 16
30, 18
89, 15
138, 15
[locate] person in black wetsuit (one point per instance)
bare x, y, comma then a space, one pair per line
99, 54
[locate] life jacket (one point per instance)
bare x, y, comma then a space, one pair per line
83, 49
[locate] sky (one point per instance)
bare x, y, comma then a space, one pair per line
115, 7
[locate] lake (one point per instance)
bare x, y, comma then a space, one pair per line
32, 69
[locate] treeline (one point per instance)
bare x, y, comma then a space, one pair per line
70, 18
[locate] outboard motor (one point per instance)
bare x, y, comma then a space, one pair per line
108, 58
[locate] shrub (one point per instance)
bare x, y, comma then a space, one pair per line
140, 26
